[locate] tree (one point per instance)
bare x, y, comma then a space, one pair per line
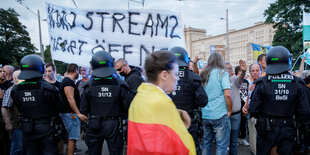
287, 18
14, 39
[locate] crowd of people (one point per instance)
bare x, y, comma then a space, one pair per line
167, 107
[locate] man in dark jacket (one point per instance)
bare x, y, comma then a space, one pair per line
132, 76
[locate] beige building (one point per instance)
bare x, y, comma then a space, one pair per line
198, 43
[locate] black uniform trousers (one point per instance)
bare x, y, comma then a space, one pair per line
5, 142
282, 137
109, 131
41, 140
193, 130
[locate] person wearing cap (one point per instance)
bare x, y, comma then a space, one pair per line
277, 99
189, 95
105, 98
39, 104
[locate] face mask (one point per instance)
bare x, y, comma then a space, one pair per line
122, 73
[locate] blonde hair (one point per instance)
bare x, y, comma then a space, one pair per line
15, 77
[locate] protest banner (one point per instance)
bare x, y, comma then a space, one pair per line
76, 34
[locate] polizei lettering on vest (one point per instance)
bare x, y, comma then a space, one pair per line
281, 77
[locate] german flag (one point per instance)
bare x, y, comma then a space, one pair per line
155, 126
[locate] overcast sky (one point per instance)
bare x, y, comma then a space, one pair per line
203, 14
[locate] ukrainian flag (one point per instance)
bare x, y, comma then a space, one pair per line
259, 49
155, 126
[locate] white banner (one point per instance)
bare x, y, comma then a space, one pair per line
306, 18
76, 34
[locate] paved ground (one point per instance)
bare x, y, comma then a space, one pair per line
242, 150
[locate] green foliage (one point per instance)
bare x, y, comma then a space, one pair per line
47, 54
14, 39
287, 18
61, 67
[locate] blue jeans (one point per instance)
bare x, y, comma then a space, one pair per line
17, 142
218, 129
235, 121
72, 125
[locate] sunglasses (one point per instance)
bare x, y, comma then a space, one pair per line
119, 69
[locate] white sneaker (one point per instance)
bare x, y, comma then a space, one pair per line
244, 142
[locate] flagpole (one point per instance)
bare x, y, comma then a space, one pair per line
296, 60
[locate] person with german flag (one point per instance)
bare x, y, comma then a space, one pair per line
155, 125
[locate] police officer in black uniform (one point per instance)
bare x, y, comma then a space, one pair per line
277, 98
39, 103
189, 95
104, 99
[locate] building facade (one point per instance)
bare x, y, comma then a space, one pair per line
198, 43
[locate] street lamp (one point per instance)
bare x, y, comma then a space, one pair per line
40, 37
227, 38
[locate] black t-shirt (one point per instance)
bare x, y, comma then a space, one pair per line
57, 84
244, 90
68, 82
6, 85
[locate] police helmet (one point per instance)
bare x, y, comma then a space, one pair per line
279, 60
32, 66
102, 64
182, 56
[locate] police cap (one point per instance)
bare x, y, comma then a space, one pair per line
32, 66
102, 64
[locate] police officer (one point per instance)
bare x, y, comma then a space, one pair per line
104, 99
276, 99
189, 94
39, 103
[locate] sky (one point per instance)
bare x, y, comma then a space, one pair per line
202, 14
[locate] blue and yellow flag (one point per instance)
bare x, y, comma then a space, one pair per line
259, 49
